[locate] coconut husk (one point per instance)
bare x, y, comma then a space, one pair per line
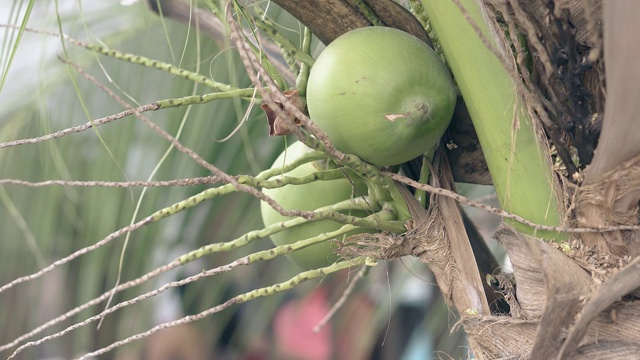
566, 80
439, 239
611, 189
551, 292
609, 200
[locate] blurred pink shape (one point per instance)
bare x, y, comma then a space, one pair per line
293, 326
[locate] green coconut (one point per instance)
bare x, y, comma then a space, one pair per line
381, 94
309, 197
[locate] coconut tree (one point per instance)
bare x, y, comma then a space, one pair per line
531, 114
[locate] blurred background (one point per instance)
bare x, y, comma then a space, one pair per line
396, 312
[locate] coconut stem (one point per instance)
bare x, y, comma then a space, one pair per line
520, 170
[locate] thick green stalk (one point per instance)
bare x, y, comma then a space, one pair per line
520, 171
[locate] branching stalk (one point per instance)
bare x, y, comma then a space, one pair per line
289, 47
257, 293
378, 220
303, 76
